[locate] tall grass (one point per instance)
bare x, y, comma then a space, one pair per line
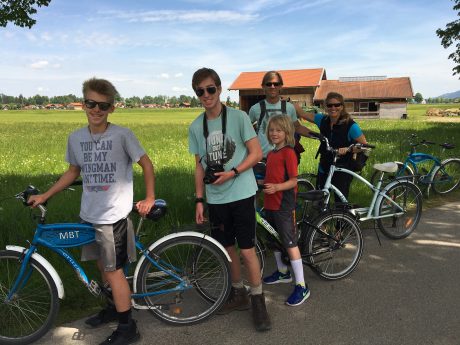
32, 146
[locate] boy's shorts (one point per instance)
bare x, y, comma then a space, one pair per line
114, 246
234, 220
284, 224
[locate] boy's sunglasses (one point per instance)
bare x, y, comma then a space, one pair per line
210, 89
104, 106
270, 84
335, 105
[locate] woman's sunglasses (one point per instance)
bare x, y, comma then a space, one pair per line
210, 89
104, 106
270, 84
335, 105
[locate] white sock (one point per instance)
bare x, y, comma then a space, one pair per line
297, 267
279, 263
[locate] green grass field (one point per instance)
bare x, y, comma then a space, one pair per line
32, 147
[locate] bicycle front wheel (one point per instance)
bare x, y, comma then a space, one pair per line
406, 199
203, 286
447, 178
335, 244
31, 311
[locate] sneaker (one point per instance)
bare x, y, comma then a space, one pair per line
278, 277
238, 300
109, 314
299, 296
124, 334
260, 314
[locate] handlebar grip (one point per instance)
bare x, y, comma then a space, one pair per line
427, 142
368, 146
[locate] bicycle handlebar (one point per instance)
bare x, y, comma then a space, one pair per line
324, 140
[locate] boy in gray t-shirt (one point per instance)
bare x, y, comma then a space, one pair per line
103, 154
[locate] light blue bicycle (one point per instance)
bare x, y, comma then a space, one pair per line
396, 207
182, 278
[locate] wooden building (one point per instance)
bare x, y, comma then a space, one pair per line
369, 97
299, 85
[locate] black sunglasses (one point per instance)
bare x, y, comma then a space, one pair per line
104, 106
275, 84
210, 89
335, 105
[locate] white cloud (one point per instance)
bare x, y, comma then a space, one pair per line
164, 76
178, 75
46, 37
178, 89
39, 64
192, 16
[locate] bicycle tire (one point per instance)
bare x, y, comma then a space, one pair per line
408, 196
447, 177
200, 263
336, 258
400, 172
303, 185
34, 307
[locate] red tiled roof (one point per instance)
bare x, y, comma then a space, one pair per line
371, 89
291, 78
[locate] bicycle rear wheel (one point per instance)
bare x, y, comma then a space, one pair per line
34, 306
203, 268
407, 198
337, 256
447, 177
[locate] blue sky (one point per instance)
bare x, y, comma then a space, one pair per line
153, 47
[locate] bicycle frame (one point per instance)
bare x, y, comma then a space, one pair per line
414, 159
370, 212
58, 237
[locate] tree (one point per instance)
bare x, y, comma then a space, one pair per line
450, 35
19, 12
418, 97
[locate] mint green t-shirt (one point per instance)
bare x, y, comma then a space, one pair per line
239, 131
271, 110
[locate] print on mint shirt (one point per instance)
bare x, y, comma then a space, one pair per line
214, 153
98, 174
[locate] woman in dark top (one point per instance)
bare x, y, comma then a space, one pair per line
341, 131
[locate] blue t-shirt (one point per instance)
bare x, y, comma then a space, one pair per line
238, 131
353, 133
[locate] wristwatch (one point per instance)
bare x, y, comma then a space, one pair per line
235, 170
199, 200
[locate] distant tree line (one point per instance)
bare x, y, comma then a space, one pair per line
18, 102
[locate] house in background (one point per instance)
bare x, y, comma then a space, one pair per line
370, 97
366, 97
75, 106
299, 85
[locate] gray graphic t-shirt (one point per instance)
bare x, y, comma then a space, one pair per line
239, 130
106, 169
271, 110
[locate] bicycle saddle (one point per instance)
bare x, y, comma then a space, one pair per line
157, 211
389, 167
312, 195
447, 146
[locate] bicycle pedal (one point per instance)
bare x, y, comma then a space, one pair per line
94, 288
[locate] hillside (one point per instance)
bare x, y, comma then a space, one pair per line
452, 95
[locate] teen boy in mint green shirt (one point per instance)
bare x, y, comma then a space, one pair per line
223, 137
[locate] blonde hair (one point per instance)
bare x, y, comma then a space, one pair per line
284, 122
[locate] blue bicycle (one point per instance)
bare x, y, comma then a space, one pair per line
427, 170
182, 278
